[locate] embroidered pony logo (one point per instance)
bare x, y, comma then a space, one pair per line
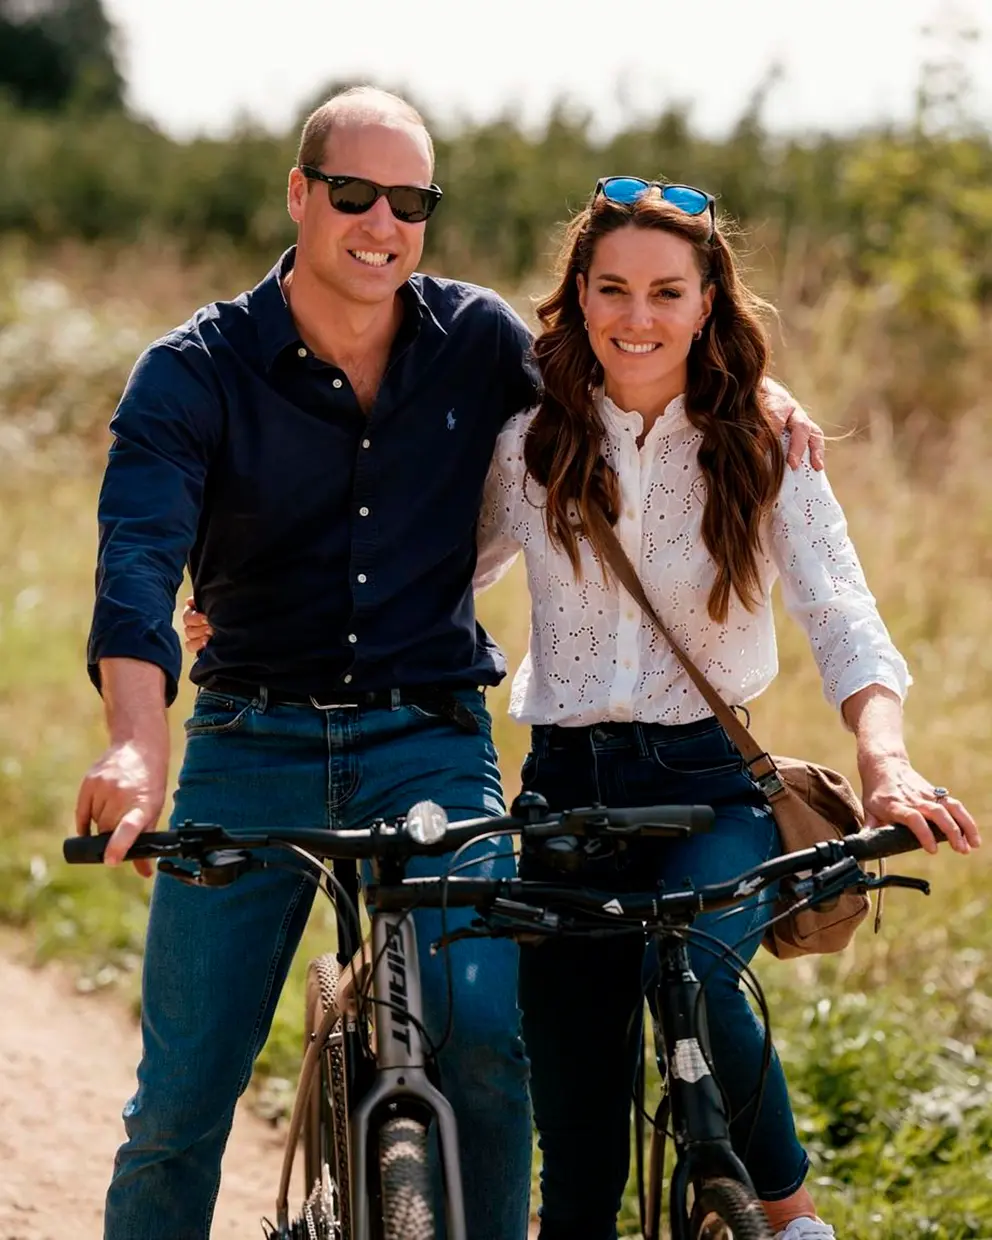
450, 420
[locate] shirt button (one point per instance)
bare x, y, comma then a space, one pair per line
362, 578
366, 443
337, 383
352, 637
363, 511
630, 615
630, 514
301, 352
347, 678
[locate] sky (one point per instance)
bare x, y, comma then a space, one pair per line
197, 66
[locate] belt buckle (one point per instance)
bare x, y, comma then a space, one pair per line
332, 705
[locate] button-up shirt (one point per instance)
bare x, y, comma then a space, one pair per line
329, 549
595, 656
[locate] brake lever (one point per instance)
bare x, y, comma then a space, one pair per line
512, 920
873, 883
219, 868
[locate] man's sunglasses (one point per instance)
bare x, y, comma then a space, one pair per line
356, 195
627, 190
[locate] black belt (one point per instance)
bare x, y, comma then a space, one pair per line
434, 699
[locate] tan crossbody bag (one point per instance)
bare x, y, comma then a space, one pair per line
811, 803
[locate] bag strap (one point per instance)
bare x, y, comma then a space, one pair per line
758, 760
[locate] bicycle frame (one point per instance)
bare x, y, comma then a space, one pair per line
702, 1135
399, 1073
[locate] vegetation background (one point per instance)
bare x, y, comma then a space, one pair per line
876, 247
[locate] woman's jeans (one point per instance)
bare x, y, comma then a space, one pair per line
582, 998
216, 959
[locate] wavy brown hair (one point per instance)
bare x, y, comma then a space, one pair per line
740, 456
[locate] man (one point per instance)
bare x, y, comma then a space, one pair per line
316, 450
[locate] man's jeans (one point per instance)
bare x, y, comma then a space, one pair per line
216, 960
582, 999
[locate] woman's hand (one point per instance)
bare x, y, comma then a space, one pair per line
892, 791
196, 628
788, 416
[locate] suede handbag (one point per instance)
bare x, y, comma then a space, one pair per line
810, 803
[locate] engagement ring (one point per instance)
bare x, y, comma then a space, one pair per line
940, 793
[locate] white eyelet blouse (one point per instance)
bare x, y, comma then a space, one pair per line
594, 656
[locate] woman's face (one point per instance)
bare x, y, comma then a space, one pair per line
643, 301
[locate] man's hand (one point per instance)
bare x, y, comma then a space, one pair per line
803, 431
124, 791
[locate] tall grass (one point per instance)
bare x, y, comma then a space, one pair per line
887, 1046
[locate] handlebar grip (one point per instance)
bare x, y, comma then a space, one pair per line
692, 817
695, 817
85, 849
884, 842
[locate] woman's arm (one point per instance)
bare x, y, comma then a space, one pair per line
892, 791
864, 675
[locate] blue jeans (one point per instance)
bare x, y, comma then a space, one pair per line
582, 999
216, 960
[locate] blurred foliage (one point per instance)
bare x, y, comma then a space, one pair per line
58, 55
895, 220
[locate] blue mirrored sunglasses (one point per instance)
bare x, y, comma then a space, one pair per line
627, 190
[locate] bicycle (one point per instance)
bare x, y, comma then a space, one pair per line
368, 1092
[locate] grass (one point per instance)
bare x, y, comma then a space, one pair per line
887, 1047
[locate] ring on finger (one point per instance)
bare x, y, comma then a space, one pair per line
939, 793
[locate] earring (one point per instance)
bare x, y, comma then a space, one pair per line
585, 324
698, 334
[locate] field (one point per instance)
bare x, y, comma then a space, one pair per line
886, 1047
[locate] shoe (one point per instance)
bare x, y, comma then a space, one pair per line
807, 1229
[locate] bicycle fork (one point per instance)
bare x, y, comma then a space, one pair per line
699, 1117
401, 1070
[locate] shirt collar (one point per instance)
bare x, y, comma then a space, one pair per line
621, 422
277, 329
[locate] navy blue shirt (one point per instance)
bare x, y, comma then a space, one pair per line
328, 548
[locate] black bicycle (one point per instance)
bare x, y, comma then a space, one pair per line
368, 1093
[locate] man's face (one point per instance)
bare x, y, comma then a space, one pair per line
362, 258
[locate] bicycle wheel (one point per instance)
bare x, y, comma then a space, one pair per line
325, 1129
726, 1210
404, 1181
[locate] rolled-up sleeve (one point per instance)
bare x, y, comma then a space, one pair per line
165, 430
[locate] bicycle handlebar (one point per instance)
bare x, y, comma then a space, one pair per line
834, 858
394, 840
834, 861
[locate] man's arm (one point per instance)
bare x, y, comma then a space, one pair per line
124, 790
165, 430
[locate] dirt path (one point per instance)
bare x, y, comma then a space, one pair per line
66, 1068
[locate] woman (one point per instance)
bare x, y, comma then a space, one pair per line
653, 360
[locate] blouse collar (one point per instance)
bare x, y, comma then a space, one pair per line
622, 422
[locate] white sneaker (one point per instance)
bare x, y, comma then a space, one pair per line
807, 1229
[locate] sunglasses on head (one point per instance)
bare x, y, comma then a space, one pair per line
627, 190
355, 195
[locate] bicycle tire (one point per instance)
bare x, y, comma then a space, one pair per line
326, 1157
726, 1210
405, 1181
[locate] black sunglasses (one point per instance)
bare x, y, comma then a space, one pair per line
356, 195
627, 190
